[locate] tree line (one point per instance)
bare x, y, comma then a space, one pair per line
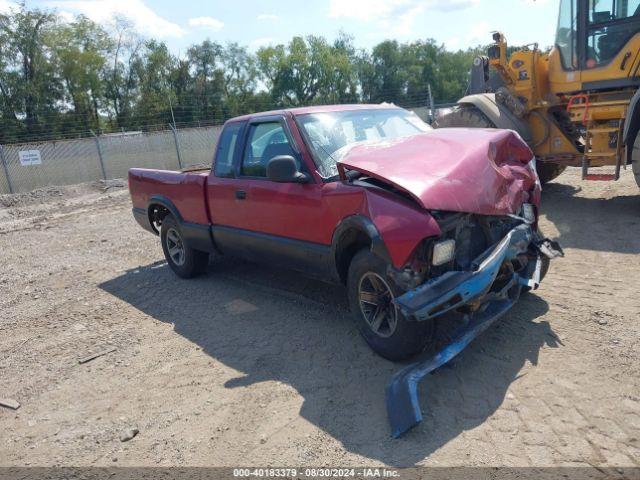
61, 79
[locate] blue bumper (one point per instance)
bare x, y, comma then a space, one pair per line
491, 287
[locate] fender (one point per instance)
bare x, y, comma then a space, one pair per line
498, 114
631, 124
360, 224
143, 215
166, 203
196, 235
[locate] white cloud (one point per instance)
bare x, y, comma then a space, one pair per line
143, 18
66, 16
209, 22
479, 33
5, 6
268, 16
395, 16
453, 43
261, 42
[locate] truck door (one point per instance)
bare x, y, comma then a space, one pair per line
276, 222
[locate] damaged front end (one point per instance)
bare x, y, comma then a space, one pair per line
481, 289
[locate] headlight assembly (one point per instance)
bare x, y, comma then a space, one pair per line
443, 252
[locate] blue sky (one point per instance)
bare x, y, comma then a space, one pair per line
456, 23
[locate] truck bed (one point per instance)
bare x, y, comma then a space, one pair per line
184, 189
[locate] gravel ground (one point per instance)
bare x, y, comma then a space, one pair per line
248, 366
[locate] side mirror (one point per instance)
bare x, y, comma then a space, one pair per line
284, 169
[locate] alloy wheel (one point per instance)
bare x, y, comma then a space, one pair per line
175, 246
375, 298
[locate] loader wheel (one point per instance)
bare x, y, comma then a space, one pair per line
635, 159
464, 116
470, 117
548, 171
183, 260
389, 333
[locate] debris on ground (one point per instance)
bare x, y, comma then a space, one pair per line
105, 185
129, 434
96, 355
9, 403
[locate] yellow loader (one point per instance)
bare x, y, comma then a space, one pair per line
577, 105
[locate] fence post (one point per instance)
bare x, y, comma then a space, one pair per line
6, 169
432, 114
177, 141
104, 173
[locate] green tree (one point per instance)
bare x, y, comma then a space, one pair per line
153, 70
59, 78
208, 80
29, 83
120, 84
79, 55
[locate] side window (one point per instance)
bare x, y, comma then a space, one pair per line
265, 141
566, 34
223, 163
611, 24
606, 10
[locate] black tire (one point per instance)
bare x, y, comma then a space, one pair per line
469, 116
466, 116
191, 262
635, 159
548, 171
404, 339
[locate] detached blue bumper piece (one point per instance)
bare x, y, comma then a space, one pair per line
492, 287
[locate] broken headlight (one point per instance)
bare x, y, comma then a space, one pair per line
443, 252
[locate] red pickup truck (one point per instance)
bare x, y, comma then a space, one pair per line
417, 223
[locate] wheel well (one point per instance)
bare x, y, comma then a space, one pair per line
157, 213
351, 242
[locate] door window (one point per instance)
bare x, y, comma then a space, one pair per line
265, 141
605, 42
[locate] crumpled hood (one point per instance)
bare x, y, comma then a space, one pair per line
484, 171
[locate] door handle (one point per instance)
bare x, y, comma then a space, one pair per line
624, 60
241, 194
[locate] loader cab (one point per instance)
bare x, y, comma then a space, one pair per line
597, 45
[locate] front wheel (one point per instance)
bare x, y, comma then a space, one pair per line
389, 333
185, 261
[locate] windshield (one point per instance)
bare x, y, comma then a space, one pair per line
330, 134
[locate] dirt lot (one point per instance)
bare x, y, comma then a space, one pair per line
246, 366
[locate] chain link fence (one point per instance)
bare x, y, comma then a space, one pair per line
34, 165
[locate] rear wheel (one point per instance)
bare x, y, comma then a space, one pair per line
635, 159
389, 333
185, 261
471, 117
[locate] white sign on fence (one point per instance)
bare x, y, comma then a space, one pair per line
30, 157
